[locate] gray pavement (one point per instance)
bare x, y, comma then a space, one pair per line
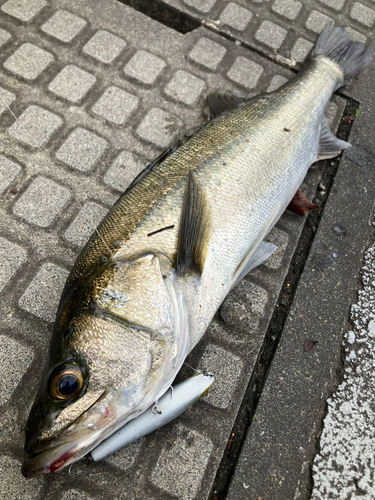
99, 90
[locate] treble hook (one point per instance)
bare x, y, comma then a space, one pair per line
155, 409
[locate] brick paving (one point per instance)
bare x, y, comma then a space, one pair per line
99, 90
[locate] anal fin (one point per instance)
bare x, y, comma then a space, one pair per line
329, 145
194, 228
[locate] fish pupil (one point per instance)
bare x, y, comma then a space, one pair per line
68, 385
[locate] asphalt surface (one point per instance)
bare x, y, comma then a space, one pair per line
90, 92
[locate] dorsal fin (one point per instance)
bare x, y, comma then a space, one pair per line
329, 145
218, 102
221, 101
194, 228
156, 162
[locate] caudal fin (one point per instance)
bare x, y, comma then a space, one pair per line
337, 44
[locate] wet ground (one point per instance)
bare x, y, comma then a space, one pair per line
90, 92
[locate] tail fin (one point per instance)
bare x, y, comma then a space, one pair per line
336, 44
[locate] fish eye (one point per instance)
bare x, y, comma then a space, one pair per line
67, 382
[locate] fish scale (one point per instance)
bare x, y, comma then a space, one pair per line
185, 232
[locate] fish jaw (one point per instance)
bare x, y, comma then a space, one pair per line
98, 423
95, 425
147, 362
73, 443
49, 461
53, 450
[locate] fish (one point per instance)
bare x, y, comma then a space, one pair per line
149, 281
169, 407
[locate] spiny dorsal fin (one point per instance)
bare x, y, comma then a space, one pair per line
163, 156
194, 228
218, 102
329, 145
221, 101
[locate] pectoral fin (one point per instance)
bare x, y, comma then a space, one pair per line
259, 250
194, 228
329, 145
262, 252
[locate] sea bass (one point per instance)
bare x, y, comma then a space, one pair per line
148, 283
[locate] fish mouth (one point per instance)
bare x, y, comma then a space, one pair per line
77, 440
50, 460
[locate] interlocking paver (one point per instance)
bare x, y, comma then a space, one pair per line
330, 114
24, 10
363, 14
115, 105
9, 427
28, 61
6, 99
97, 130
64, 26
207, 53
357, 37
11, 258
276, 82
271, 34
4, 36
244, 306
317, 20
185, 87
124, 458
35, 126
124, 169
8, 172
182, 463
144, 67
245, 72
13, 484
72, 83
236, 16
281, 240
15, 360
300, 50
85, 223
104, 46
42, 296
334, 4
226, 368
76, 495
158, 127
41, 202
82, 149
202, 5
287, 8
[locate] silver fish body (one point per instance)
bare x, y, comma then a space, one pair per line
146, 287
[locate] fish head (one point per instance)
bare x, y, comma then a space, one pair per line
109, 365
